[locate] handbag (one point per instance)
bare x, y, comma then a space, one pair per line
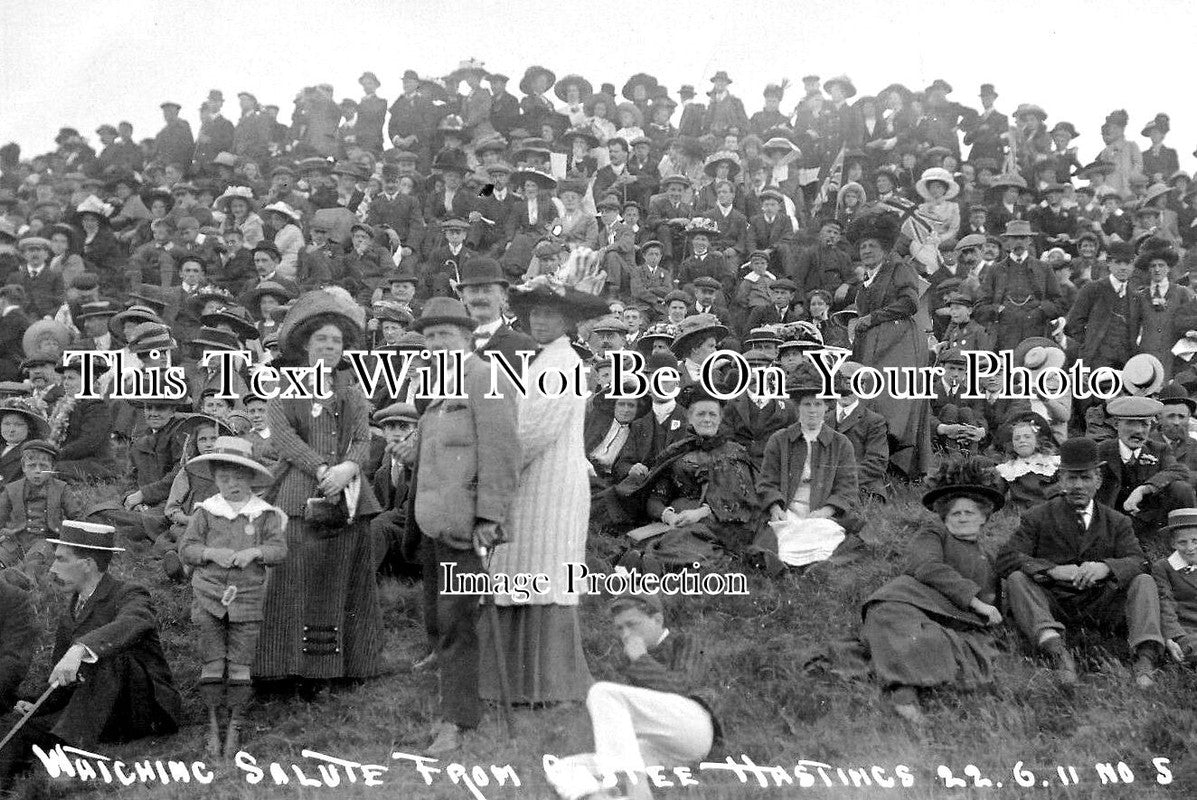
326, 518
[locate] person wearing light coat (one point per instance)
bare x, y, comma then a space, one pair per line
541, 635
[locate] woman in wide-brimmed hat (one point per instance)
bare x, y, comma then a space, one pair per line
320, 591
580, 163
532, 218
698, 336
938, 187
535, 106
21, 419
573, 90
921, 629
288, 237
548, 518
1030, 139
1159, 162
237, 203
100, 247
887, 335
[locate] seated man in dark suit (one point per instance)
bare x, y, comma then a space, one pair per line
751, 418
1140, 477
1075, 562
781, 308
111, 679
1172, 427
867, 431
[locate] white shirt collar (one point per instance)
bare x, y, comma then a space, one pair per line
844, 411
662, 410
488, 329
1126, 453
1119, 286
253, 508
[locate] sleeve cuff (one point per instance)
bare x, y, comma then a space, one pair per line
89, 656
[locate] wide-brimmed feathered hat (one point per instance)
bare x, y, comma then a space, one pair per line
881, 226
973, 477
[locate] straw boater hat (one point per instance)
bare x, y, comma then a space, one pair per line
136, 313
1143, 375
234, 450
694, 326
150, 336
937, 174
87, 536
1181, 518
1038, 353
96, 308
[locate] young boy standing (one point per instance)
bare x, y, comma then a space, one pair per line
31, 509
230, 540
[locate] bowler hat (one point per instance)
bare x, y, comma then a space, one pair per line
444, 311
482, 271
1079, 454
1174, 394
721, 75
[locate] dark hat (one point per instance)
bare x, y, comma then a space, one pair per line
939, 84
1123, 252
444, 311
971, 477
87, 535
532, 73
1018, 227
402, 275
721, 75
1079, 453
391, 312
149, 336
1174, 394
28, 409
96, 308
215, 339
170, 104
497, 77
411, 75
639, 79
34, 362
988, 90
39, 446
707, 282
236, 317
1161, 123
572, 303
1067, 127
369, 76
134, 313
953, 355
1181, 518
694, 326
482, 271
882, 227
784, 283
585, 89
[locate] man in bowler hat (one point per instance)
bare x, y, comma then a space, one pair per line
1074, 562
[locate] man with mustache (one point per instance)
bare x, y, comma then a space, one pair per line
483, 289
1075, 562
1141, 478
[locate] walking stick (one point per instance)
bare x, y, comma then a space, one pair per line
492, 613
25, 717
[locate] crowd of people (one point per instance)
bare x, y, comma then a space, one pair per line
572, 225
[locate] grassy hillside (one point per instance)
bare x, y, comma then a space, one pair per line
775, 711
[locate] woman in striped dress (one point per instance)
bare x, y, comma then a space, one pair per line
322, 617
546, 526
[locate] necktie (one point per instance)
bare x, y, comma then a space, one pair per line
1155, 291
1134, 458
1080, 518
396, 472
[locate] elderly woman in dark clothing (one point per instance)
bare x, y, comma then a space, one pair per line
932, 625
886, 335
702, 485
322, 617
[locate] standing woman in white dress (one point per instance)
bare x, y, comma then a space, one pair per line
546, 528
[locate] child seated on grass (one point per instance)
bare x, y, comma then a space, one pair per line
231, 538
1176, 578
31, 509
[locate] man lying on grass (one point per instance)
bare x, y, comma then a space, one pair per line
655, 718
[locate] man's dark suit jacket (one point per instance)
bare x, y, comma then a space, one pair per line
1050, 535
1118, 479
117, 624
